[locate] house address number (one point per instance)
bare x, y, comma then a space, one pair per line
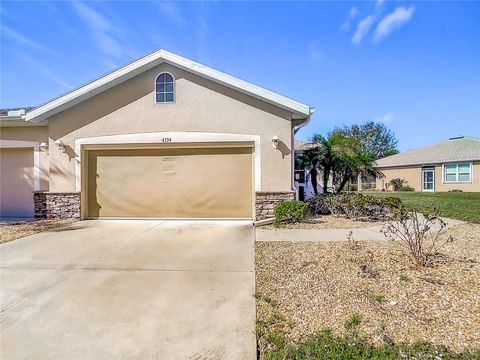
166, 140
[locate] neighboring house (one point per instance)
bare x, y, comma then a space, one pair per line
162, 137
451, 165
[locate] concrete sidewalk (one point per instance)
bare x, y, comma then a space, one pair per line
367, 233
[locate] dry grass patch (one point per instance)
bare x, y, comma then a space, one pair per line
16, 231
326, 222
318, 285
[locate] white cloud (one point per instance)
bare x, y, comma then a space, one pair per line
314, 51
172, 12
19, 38
102, 29
351, 15
363, 28
353, 12
378, 4
386, 118
45, 71
393, 21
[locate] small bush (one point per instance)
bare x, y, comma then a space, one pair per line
406, 188
354, 206
290, 211
366, 207
420, 234
319, 205
398, 184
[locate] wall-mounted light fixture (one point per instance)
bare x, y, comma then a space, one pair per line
275, 141
43, 147
60, 145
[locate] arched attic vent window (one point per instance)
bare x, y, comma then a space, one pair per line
164, 88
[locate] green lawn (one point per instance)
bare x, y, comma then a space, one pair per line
462, 206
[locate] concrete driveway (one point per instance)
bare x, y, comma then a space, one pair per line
130, 290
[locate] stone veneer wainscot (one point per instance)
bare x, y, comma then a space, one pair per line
57, 205
265, 202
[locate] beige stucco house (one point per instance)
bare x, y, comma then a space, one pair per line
451, 165
162, 137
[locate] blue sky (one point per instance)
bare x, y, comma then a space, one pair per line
413, 65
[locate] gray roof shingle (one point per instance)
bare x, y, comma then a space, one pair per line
461, 148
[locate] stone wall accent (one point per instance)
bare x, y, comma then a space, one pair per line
40, 205
265, 202
57, 205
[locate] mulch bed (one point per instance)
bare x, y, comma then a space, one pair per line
16, 231
326, 222
304, 287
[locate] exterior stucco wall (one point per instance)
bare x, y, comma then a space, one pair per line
36, 134
474, 186
413, 175
200, 106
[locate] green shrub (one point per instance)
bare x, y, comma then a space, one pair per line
406, 188
290, 211
354, 206
397, 183
318, 205
367, 207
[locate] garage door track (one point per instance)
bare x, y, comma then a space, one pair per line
130, 290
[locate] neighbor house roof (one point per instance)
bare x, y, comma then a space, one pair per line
14, 117
461, 148
298, 110
300, 145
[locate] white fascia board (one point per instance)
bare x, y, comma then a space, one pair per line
147, 62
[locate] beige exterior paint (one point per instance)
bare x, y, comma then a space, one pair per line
34, 134
170, 183
413, 175
200, 106
16, 182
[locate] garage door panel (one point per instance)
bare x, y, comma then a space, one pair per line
173, 183
16, 182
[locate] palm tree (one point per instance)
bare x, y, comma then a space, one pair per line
309, 160
353, 163
333, 151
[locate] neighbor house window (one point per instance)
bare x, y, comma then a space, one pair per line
457, 172
164, 88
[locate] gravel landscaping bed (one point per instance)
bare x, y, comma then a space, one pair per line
326, 222
304, 287
16, 231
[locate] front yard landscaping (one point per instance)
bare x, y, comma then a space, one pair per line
318, 300
16, 231
456, 205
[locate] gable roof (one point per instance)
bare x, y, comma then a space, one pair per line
74, 97
461, 148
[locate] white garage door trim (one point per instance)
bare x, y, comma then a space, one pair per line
170, 138
12, 144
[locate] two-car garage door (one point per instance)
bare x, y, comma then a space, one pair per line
197, 182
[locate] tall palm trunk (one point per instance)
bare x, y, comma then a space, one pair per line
313, 178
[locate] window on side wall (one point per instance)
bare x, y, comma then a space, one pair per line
457, 172
164, 88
